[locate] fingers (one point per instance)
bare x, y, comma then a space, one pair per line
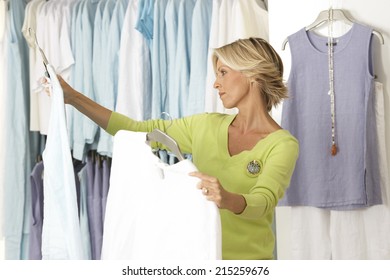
210, 187
60, 79
203, 177
45, 83
202, 186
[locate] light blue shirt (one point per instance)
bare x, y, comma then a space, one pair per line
17, 189
76, 126
182, 63
97, 56
201, 24
171, 22
87, 23
144, 23
73, 76
105, 97
114, 46
159, 60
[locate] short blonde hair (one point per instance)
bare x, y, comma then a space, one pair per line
256, 59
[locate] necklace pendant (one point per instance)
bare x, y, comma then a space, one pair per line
334, 149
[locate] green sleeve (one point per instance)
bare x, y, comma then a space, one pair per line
273, 181
179, 129
121, 122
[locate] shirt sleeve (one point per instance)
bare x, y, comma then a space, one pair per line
179, 129
273, 181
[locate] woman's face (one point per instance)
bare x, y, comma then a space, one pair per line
232, 86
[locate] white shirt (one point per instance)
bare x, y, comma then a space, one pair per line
134, 74
61, 234
3, 12
51, 22
155, 211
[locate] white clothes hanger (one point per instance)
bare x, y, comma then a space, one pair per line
338, 15
44, 59
159, 136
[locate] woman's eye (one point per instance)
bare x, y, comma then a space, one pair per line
223, 73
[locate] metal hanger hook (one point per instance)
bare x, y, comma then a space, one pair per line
169, 117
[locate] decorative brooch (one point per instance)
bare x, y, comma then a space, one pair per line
254, 167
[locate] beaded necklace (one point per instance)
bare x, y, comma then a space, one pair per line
331, 81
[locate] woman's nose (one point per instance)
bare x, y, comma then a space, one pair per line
216, 84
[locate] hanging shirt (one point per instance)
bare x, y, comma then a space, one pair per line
182, 60
36, 178
3, 19
18, 151
50, 22
167, 217
75, 79
30, 22
350, 179
84, 218
104, 78
61, 234
110, 79
171, 31
159, 60
144, 22
83, 18
361, 234
200, 32
94, 208
134, 73
248, 235
43, 30
98, 45
3, 87
87, 24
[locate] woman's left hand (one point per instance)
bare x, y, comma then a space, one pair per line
211, 188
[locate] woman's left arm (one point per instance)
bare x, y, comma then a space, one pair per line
270, 186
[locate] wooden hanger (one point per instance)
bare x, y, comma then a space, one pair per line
338, 15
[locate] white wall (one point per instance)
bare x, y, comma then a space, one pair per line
288, 16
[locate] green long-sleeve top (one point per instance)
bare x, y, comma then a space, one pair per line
248, 235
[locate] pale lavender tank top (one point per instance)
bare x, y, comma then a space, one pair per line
350, 179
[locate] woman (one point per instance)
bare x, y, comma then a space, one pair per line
245, 160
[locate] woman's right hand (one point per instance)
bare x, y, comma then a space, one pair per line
69, 92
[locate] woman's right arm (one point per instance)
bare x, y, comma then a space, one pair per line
97, 113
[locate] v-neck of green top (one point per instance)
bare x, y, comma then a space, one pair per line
224, 141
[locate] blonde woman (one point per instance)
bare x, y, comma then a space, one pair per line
245, 160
